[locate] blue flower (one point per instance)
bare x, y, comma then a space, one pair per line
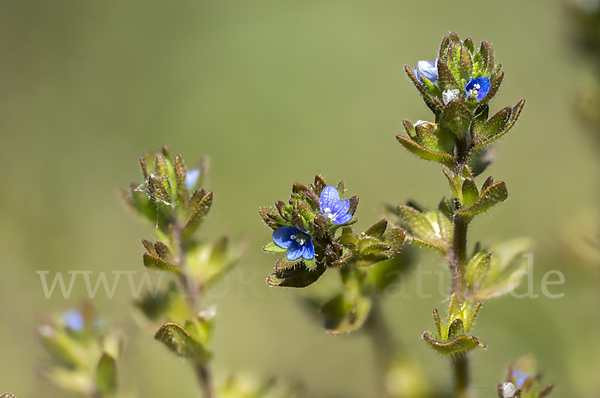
427, 70
520, 377
73, 320
334, 208
191, 177
478, 87
297, 241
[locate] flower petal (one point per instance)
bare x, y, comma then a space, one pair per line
74, 320
191, 177
329, 197
343, 219
309, 251
428, 70
295, 253
281, 237
341, 208
481, 84
484, 82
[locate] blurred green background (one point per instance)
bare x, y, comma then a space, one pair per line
275, 92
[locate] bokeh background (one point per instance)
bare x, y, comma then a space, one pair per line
275, 92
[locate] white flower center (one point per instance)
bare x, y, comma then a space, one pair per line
475, 89
300, 238
327, 212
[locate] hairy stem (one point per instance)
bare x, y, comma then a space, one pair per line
383, 345
458, 256
192, 293
457, 260
203, 375
461, 374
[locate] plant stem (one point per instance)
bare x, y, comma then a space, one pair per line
203, 375
192, 293
461, 374
458, 256
457, 260
383, 345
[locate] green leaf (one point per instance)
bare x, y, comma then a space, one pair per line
416, 149
410, 129
298, 221
149, 246
182, 343
375, 249
441, 329
431, 88
180, 173
198, 216
218, 254
271, 247
446, 79
426, 244
458, 345
162, 250
516, 111
60, 348
493, 195
470, 193
345, 313
418, 224
296, 277
384, 273
494, 87
468, 43
377, 230
454, 185
433, 103
466, 63
426, 136
477, 267
305, 210
283, 263
480, 160
395, 238
271, 217
106, 376
455, 329
457, 117
508, 257
154, 262
161, 166
487, 56
481, 115
473, 317
156, 306
496, 123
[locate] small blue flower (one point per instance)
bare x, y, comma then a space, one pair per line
191, 177
427, 70
520, 377
73, 320
297, 241
478, 87
334, 208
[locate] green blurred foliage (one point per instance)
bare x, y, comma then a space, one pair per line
274, 92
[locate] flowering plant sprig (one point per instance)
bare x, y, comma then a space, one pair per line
524, 381
458, 92
314, 231
84, 350
172, 198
